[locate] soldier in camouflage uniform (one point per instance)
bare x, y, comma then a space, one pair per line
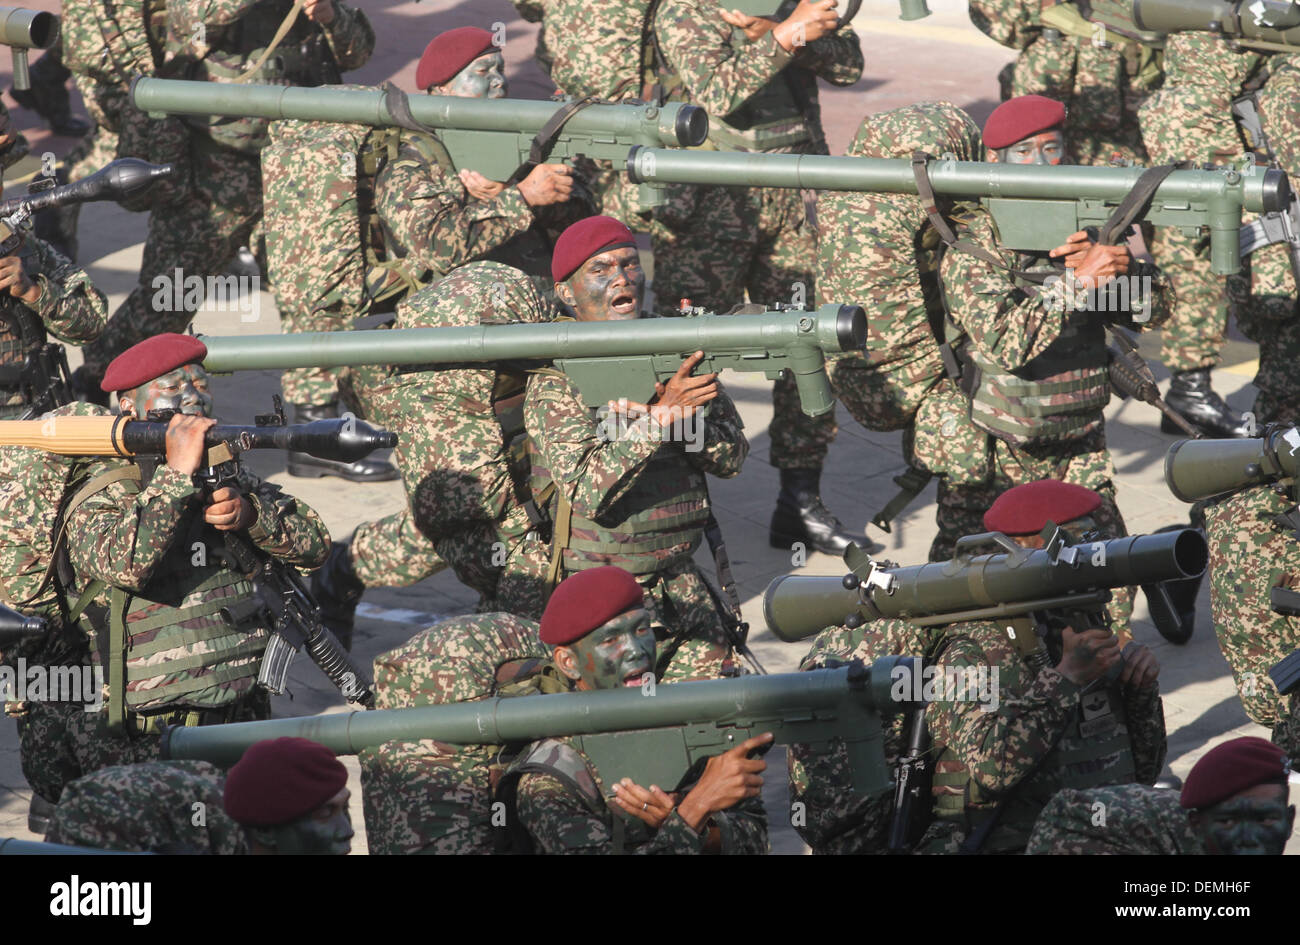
463, 483
220, 198
629, 489
291, 797
433, 218
155, 807
757, 78
1234, 802
149, 584
599, 632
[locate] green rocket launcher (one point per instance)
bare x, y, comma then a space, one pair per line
1035, 208
22, 29
1011, 583
492, 136
1203, 469
658, 737
606, 360
1272, 25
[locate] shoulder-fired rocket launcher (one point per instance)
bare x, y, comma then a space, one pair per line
1272, 25
1203, 469
657, 736
607, 360
1035, 208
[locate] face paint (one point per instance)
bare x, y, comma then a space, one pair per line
609, 286
1247, 826
485, 77
184, 390
617, 653
1045, 148
325, 831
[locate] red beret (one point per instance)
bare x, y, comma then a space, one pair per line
1235, 766
586, 600
585, 239
1024, 510
1021, 118
281, 780
450, 52
152, 358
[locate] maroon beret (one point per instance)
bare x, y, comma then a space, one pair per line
281, 780
152, 358
1021, 118
1235, 766
586, 600
450, 52
585, 239
1024, 510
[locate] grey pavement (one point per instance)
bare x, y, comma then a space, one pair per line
1201, 706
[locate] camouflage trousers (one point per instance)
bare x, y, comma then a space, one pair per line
1263, 301
196, 236
715, 245
1192, 337
60, 741
1249, 556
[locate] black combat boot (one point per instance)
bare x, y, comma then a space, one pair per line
313, 467
1191, 395
801, 516
337, 589
39, 812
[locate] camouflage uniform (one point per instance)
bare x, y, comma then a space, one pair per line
1046, 734
199, 231
715, 244
431, 797
171, 807
640, 502
462, 499
147, 542
1250, 554
69, 307
835, 818
1130, 819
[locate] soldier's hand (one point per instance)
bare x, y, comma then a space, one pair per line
14, 280
651, 806
1140, 667
1094, 261
480, 187
185, 447
683, 394
319, 11
547, 184
229, 510
810, 21
728, 779
1088, 655
754, 26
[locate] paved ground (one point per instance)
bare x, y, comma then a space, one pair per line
1201, 707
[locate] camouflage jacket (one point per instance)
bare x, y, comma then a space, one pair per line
164, 807
560, 820
722, 70
1128, 819
1011, 752
595, 52
69, 307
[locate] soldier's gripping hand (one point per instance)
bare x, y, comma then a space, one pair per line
754, 26
229, 510
14, 281
319, 11
185, 447
651, 806
728, 779
547, 184
1140, 667
480, 187
1088, 655
810, 21
1095, 261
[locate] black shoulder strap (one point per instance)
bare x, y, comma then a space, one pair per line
545, 138
1135, 203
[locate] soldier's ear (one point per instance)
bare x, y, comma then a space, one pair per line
125, 405
565, 294
566, 661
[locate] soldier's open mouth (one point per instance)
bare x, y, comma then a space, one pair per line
632, 680
623, 303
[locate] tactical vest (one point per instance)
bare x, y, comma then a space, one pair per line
14, 349
1059, 395
193, 638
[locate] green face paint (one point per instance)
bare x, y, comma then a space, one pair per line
617, 653
184, 390
1248, 826
609, 286
326, 831
1048, 147
483, 78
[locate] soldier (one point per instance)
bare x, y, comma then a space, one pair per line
1234, 803
757, 78
460, 450
598, 629
148, 583
291, 797
629, 489
218, 202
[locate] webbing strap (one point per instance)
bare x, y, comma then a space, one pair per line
182, 686
560, 534
116, 660
280, 33
544, 140
911, 483
1135, 203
